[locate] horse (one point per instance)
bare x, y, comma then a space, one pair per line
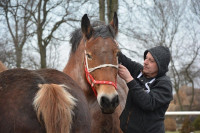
41, 101
93, 64
2, 67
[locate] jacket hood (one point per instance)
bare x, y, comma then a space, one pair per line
162, 56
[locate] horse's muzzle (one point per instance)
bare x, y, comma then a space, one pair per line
108, 106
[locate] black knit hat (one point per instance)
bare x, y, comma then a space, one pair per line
161, 55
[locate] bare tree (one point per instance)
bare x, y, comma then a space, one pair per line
7, 54
36, 25
192, 70
18, 23
47, 22
195, 8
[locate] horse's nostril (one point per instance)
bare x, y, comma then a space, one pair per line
115, 101
108, 105
105, 101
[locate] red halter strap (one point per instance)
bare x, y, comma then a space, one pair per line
92, 81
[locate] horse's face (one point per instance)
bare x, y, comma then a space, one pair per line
102, 52
101, 62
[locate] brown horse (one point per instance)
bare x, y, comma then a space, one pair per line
93, 65
2, 67
41, 101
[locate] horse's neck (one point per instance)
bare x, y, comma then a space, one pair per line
107, 123
75, 68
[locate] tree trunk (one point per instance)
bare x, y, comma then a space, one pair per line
112, 6
42, 47
43, 56
18, 57
102, 10
179, 99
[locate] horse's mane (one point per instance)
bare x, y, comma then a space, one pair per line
100, 29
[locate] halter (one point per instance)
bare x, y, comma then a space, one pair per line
90, 78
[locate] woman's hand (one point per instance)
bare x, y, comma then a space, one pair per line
124, 73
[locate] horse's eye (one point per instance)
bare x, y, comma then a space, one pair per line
89, 56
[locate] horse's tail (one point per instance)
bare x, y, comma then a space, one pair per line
54, 104
2, 67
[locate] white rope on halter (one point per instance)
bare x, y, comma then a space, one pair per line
97, 67
101, 66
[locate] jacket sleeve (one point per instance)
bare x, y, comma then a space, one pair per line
160, 94
133, 67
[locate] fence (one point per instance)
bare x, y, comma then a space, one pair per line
180, 114
168, 113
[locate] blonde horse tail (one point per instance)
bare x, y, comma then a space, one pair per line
54, 104
2, 67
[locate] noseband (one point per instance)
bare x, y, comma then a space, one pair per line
90, 78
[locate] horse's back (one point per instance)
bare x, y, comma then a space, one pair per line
18, 87
81, 118
17, 91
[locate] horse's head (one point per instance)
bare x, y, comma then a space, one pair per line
101, 61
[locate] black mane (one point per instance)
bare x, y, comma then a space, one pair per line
100, 29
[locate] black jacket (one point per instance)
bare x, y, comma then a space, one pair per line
145, 112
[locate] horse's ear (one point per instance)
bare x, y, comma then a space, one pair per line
86, 27
114, 22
